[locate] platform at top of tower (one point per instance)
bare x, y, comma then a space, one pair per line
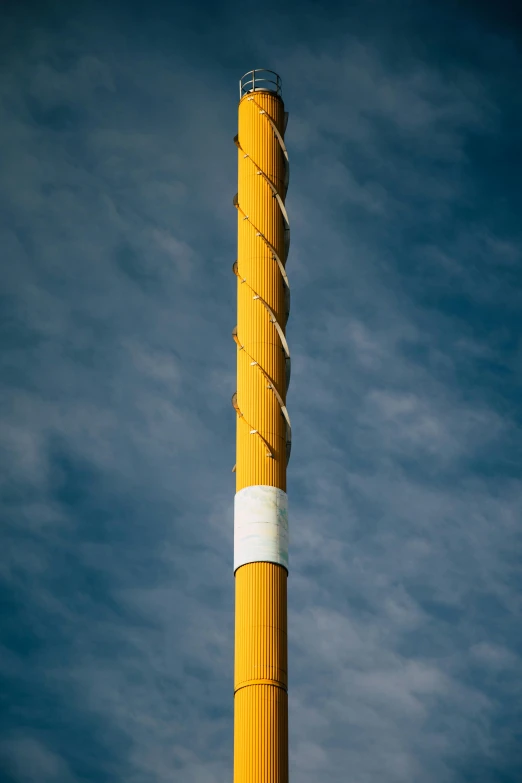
260, 80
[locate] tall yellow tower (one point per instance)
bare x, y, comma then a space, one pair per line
263, 435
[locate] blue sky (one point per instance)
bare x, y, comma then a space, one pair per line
118, 235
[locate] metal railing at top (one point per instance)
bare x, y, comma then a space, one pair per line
260, 79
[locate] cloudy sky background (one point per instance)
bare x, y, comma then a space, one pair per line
117, 434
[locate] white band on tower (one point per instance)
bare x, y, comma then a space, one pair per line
260, 526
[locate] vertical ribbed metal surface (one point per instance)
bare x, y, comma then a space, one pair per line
261, 737
256, 266
261, 624
261, 706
